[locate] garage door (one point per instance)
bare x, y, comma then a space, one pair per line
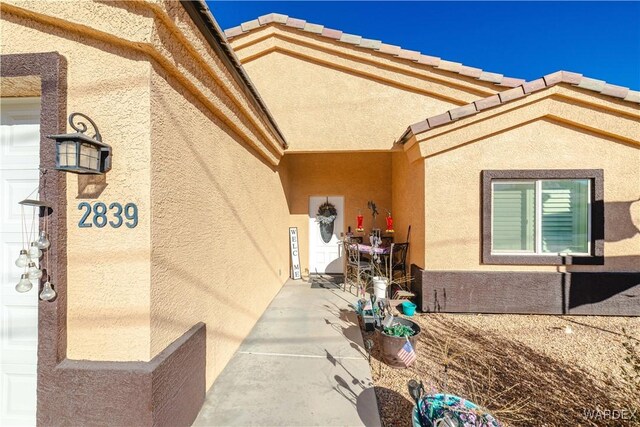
19, 162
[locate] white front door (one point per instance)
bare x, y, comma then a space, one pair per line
19, 163
325, 257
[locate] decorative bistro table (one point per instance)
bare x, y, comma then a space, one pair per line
368, 249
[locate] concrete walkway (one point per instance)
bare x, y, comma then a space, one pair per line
303, 364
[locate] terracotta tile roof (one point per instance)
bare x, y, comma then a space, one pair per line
376, 45
520, 91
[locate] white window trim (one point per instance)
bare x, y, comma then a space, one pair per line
538, 219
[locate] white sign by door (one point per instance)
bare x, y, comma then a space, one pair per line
294, 243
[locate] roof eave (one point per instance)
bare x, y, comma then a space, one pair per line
206, 23
405, 136
378, 46
550, 80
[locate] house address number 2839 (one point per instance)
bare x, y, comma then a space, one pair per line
115, 215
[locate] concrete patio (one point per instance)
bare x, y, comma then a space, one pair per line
304, 364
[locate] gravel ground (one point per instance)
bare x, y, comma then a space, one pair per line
528, 370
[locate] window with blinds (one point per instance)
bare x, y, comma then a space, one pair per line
540, 216
513, 216
565, 212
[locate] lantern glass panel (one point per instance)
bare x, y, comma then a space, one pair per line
67, 153
89, 156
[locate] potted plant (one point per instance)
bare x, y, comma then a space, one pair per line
394, 338
442, 409
368, 314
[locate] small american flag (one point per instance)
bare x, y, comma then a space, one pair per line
406, 354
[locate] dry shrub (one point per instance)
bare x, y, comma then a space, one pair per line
520, 386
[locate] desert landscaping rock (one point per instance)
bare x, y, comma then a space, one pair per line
527, 370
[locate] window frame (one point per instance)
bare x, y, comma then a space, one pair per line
537, 244
595, 222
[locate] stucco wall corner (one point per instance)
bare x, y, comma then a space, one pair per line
219, 225
408, 195
182, 43
117, 99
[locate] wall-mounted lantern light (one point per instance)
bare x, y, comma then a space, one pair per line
80, 153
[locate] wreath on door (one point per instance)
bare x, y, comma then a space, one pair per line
326, 217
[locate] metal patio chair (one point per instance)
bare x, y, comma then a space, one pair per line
356, 270
398, 264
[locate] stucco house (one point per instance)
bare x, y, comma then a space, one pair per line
522, 197
554, 162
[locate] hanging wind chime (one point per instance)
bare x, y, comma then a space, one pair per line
34, 246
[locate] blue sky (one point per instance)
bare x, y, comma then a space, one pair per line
518, 39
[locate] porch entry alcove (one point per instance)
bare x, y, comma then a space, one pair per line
347, 181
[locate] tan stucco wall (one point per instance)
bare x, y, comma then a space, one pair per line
359, 177
408, 204
321, 108
20, 86
122, 303
219, 227
383, 67
108, 269
453, 189
328, 96
162, 32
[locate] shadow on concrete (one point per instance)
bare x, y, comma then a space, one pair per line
359, 393
367, 414
352, 331
325, 281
